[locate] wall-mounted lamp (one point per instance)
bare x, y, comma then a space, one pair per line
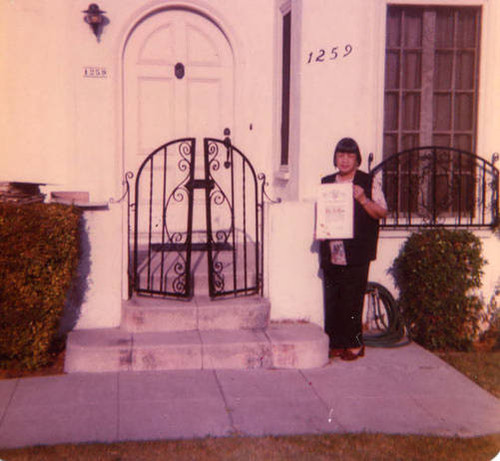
95, 18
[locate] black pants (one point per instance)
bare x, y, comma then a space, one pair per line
344, 290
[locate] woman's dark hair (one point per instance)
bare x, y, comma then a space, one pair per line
349, 146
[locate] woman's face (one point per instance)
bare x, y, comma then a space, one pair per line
347, 162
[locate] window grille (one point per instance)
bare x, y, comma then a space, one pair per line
453, 188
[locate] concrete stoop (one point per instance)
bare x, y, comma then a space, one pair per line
153, 314
280, 346
201, 334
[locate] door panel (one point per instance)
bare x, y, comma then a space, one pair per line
154, 98
160, 106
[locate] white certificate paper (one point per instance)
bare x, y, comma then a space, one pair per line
335, 211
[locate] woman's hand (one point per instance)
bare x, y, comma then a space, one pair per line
359, 194
372, 208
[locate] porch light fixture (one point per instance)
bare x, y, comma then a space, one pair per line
95, 19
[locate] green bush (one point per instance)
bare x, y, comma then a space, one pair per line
436, 272
38, 258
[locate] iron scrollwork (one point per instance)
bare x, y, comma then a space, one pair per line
161, 255
179, 241
232, 220
218, 203
439, 186
264, 194
126, 193
164, 201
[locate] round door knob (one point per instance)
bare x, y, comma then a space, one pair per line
179, 70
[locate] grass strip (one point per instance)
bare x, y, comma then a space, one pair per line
481, 367
343, 447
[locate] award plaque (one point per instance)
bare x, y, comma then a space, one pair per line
335, 211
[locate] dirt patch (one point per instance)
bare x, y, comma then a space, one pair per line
56, 367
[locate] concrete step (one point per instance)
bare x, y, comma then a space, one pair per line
294, 345
141, 314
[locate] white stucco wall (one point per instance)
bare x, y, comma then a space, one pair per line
36, 92
344, 97
65, 130
61, 128
252, 131
337, 96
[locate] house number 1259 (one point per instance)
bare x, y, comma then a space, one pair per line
323, 55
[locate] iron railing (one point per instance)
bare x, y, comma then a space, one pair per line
439, 186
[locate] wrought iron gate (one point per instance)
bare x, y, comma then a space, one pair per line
171, 195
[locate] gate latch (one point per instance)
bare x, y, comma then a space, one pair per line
200, 184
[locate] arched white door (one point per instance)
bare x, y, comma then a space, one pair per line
178, 82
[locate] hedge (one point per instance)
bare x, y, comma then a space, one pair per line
39, 247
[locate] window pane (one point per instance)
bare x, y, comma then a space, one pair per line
409, 140
444, 28
465, 72
441, 140
467, 28
463, 141
390, 144
392, 70
411, 111
463, 111
442, 112
412, 70
393, 27
412, 28
443, 63
391, 111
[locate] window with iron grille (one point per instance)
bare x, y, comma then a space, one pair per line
431, 88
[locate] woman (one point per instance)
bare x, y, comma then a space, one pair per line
345, 263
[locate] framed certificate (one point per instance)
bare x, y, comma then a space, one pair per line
335, 211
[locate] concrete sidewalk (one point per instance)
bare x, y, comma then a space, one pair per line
404, 390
